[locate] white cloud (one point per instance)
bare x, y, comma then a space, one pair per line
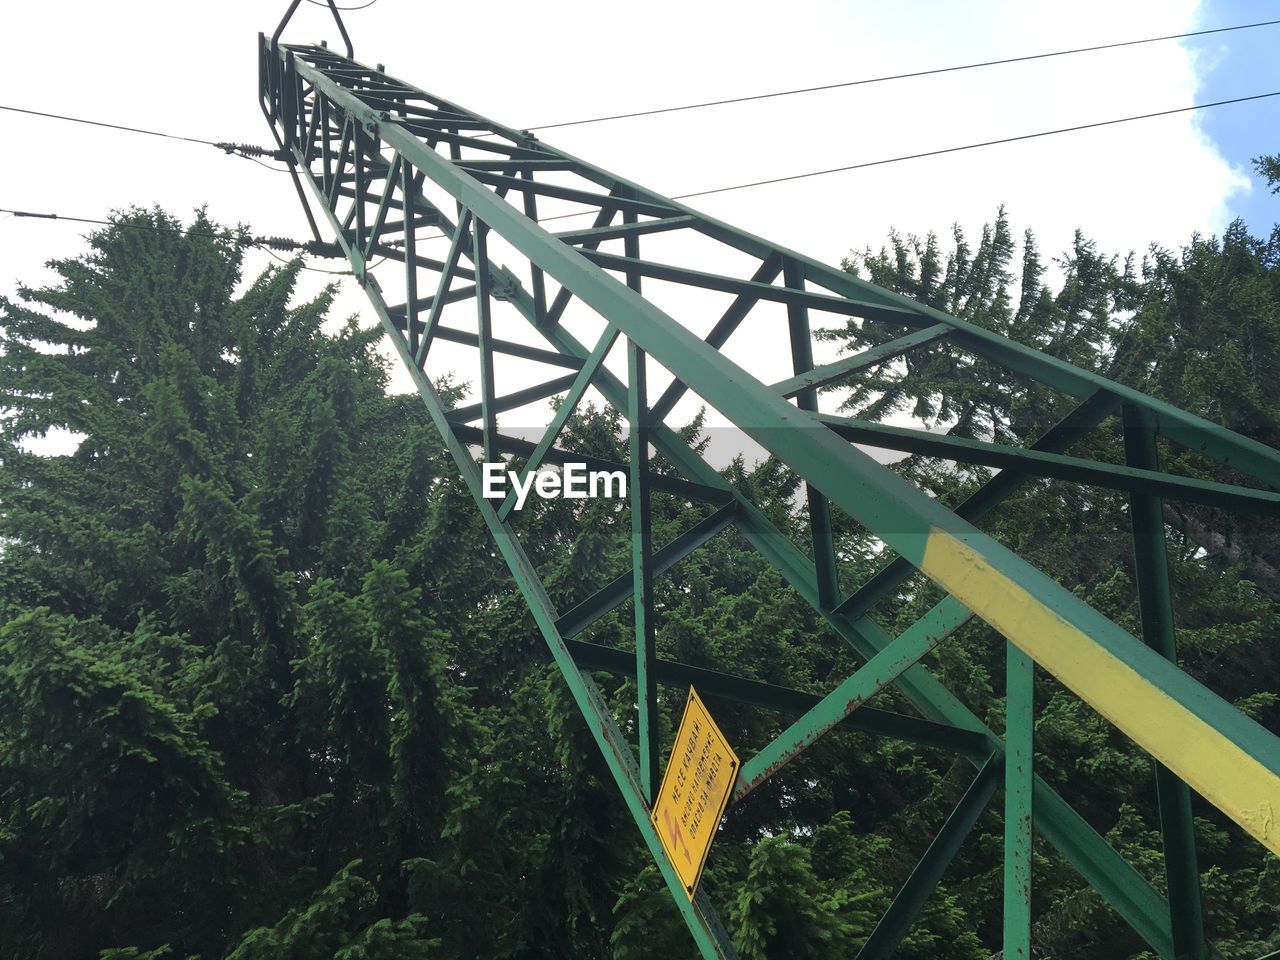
190, 69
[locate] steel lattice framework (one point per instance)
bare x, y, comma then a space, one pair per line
384, 160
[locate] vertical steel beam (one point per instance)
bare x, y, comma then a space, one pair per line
326, 146
1019, 770
539, 280
264, 74
642, 571
361, 182
642, 547
409, 191
344, 150
300, 116
1155, 604
288, 101
480, 256
312, 129
384, 203
824, 552
455, 154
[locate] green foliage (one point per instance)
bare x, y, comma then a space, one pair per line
1269, 167
338, 923
783, 908
1197, 328
213, 662
266, 689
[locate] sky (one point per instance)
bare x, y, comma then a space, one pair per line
190, 69
1226, 64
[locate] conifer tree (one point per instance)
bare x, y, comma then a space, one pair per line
266, 689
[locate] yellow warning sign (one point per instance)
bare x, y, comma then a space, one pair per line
694, 793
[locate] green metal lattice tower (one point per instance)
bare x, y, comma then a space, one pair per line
383, 160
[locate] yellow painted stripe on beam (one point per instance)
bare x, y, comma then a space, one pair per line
1213, 765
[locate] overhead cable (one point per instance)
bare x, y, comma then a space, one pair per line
933, 71
267, 244
247, 150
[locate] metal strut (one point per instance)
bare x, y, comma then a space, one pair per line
337, 18
383, 159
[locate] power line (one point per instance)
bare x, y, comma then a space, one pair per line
904, 76
266, 166
247, 151
109, 223
337, 273
266, 244
112, 126
240, 148
813, 173
931, 153
975, 146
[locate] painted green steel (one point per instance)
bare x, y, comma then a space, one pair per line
409, 191
380, 218
566, 193
491, 406
433, 303
642, 571
713, 684
570, 403
824, 551
990, 495
706, 929
484, 311
619, 590
724, 327
1155, 602
1139, 903
553, 314
908, 901
1112, 476
1097, 862
1249, 456
616, 231
790, 295
1019, 801
833, 372
1133, 898
461, 235
876, 674
881, 501
508, 347
1115, 879
537, 279
905, 518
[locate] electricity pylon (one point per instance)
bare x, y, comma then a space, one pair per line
384, 161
